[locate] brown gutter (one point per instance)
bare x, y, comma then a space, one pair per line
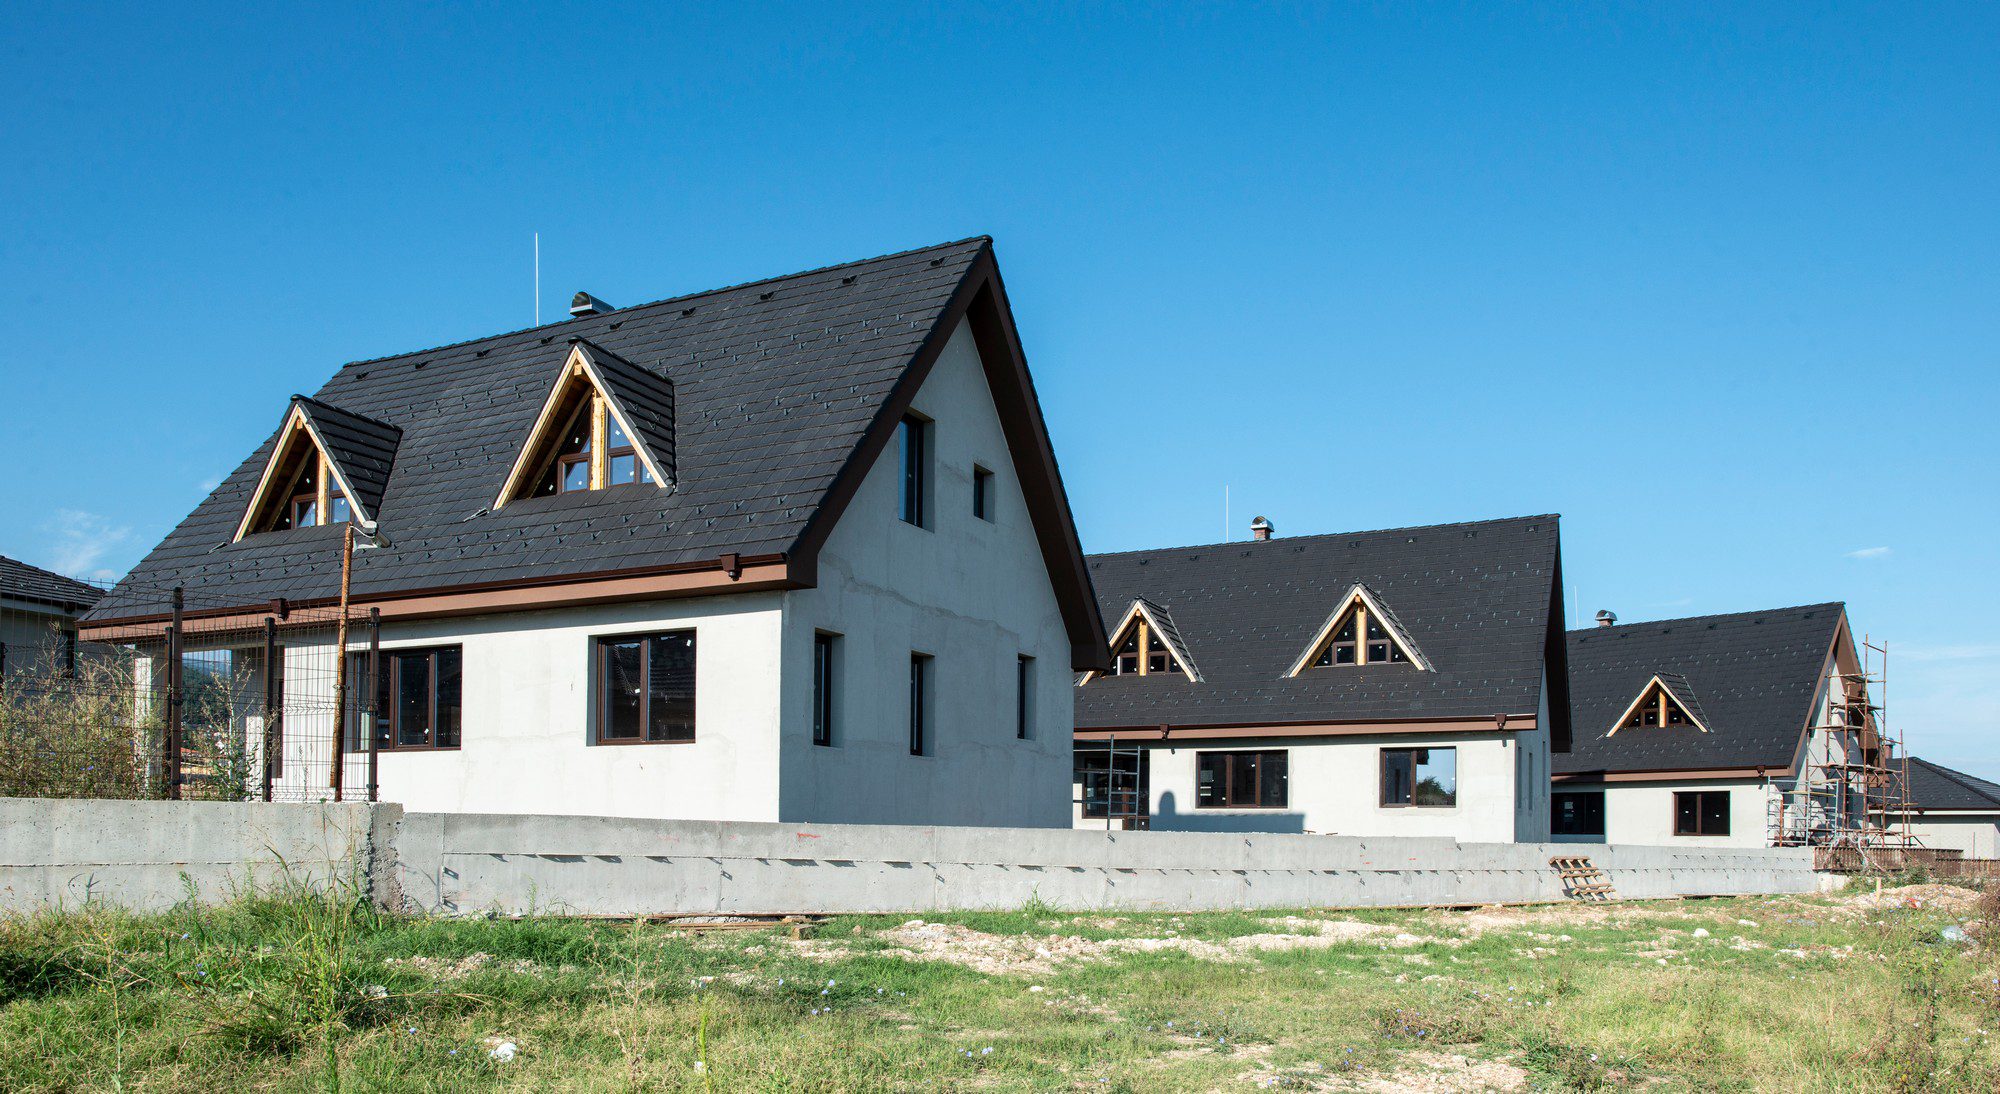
751, 575
1674, 775
1514, 722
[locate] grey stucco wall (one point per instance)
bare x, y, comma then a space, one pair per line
61, 853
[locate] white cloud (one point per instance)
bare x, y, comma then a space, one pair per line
1870, 552
80, 541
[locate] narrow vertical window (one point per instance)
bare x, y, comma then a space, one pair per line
982, 493
916, 468
823, 689
920, 686
1024, 697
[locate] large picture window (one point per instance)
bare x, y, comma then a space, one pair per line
1701, 813
1420, 777
645, 689
1241, 780
416, 702
1577, 812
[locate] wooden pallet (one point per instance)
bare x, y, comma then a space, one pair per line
1581, 879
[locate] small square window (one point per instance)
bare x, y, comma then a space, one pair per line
646, 688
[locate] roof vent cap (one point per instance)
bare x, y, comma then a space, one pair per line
583, 304
1260, 529
1607, 618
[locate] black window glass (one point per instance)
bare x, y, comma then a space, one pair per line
624, 690
670, 688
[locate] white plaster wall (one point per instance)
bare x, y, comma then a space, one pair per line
525, 727
1335, 789
972, 593
1644, 812
1976, 834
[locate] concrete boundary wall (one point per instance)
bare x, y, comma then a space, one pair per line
149, 855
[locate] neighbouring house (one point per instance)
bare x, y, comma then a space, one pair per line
38, 612
1952, 810
1406, 682
794, 550
1748, 730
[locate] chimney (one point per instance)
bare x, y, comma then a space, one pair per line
583, 304
1607, 618
1260, 529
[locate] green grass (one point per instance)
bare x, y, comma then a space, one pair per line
303, 994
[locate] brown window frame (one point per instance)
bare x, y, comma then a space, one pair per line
601, 682
1410, 785
1699, 812
385, 706
1362, 622
1233, 759
1584, 816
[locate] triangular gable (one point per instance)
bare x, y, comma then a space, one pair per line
356, 452
1362, 604
641, 402
1158, 625
1668, 699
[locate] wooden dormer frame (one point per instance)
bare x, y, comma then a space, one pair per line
300, 424
579, 368
1657, 691
1140, 615
1360, 603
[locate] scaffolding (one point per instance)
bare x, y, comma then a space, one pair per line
1853, 786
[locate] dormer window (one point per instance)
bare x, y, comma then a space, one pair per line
1360, 632
584, 440
1147, 644
1666, 700
307, 482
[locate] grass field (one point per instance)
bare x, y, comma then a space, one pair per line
1836, 993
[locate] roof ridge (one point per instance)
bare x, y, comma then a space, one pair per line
985, 239
1327, 535
1716, 616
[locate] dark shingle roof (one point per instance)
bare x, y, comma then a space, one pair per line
646, 400
1753, 676
362, 449
1934, 786
20, 581
774, 384
1476, 596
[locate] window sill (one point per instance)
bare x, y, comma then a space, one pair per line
1241, 808
1435, 808
614, 743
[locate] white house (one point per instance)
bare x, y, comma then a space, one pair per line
1747, 730
795, 550
1403, 682
38, 611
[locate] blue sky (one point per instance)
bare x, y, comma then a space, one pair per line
1719, 286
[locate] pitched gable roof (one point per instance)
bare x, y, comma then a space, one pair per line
361, 450
784, 391
1163, 627
1754, 676
32, 584
1479, 598
1935, 786
640, 401
1377, 611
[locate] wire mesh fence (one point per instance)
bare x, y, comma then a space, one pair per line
182, 698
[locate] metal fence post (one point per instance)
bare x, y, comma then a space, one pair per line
173, 734
374, 702
273, 673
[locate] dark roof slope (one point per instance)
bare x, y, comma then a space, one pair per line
1754, 675
362, 449
1934, 786
775, 383
20, 581
646, 399
1477, 598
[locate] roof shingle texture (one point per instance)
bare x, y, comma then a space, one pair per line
1934, 786
774, 384
20, 581
1752, 676
363, 449
1476, 597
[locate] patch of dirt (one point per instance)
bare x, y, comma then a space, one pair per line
1941, 898
1033, 955
1431, 1073
1500, 918
441, 968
